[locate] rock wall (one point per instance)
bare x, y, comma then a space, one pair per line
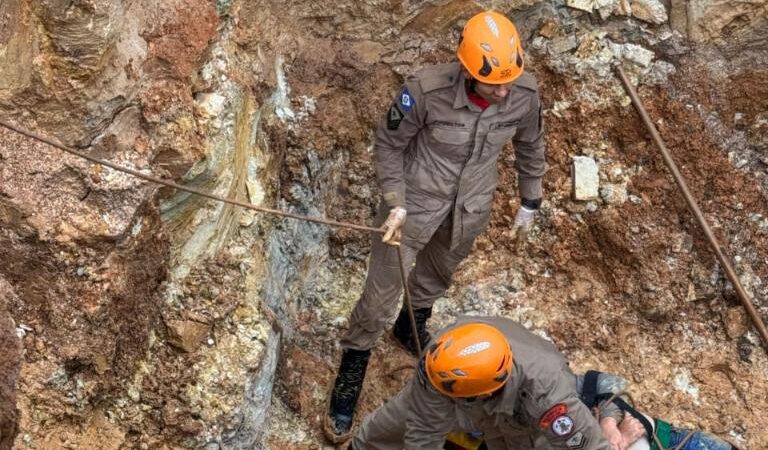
156, 319
10, 356
707, 20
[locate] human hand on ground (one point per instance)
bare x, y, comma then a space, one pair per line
392, 226
612, 433
631, 430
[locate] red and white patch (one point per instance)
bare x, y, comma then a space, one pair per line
551, 414
562, 426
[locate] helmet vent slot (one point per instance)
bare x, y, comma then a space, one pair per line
459, 372
486, 69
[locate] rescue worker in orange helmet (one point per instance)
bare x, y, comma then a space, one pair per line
488, 375
436, 152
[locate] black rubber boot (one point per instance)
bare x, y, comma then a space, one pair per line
346, 391
402, 329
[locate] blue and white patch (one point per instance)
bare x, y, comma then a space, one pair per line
406, 100
562, 426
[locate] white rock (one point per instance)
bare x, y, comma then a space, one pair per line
586, 181
614, 194
584, 5
651, 11
211, 105
659, 73
637, 54
606, 7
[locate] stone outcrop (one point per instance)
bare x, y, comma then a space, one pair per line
707, 20
10, 362
156, 319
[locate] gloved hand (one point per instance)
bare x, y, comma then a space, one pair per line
523, 221
392, 226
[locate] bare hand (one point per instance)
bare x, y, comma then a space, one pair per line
631, 430
612, 433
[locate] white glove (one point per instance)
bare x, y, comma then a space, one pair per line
524, 218
392, 225
523, 223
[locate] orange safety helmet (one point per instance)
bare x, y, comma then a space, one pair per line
490, 49
469, 360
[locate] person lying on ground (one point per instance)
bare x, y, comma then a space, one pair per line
625, 428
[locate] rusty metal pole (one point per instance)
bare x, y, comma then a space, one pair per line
694, 207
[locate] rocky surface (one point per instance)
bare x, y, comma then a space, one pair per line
9, 368
153, 319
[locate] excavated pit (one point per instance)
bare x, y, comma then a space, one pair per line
136, 317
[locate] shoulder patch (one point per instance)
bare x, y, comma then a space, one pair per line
577, 441
406, 100
527, 81
562, 426
548, 418
394, 117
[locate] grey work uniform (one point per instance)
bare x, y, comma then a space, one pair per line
436, 155
538, 408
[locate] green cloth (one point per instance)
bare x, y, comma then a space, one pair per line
662, 432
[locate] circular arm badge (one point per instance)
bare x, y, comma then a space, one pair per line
562, 425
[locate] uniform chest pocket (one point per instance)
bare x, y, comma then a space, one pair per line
500, 136
494, 142
454, 143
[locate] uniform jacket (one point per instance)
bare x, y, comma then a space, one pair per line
436, 151
538, 407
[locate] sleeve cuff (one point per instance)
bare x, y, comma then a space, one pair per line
532, 204
394, 199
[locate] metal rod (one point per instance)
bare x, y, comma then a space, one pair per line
408, 304
694, 207
171, 184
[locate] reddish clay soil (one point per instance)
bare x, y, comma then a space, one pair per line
630, 288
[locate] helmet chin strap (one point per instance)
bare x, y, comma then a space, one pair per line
471, 83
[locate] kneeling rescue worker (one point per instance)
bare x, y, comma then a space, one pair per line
488, 375
436, 152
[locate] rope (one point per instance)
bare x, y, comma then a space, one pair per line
270, 211
596, 411
171, 184
684, 441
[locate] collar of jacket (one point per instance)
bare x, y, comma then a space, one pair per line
461, 100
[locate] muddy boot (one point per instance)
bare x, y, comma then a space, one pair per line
344, 395
402, 329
